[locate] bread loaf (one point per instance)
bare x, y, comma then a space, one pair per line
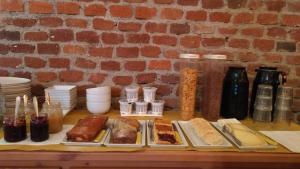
125, 131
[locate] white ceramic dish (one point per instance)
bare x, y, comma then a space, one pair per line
229, 137
98, 108
196, 140
98, 98
13, 80
108, 143
99, 90
151, 143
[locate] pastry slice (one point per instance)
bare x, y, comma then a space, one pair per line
164, 132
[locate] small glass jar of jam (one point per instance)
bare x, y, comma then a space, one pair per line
14, 128
39, 127
55, 116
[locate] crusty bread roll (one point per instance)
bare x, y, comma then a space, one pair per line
206, 132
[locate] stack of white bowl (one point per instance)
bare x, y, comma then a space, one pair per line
11, 87
98, 100
66, 95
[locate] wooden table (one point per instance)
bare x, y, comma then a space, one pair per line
148, 158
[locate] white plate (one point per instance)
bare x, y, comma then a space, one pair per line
229, 137
71, 143
151, 143
143, 139
13, 80
196, 140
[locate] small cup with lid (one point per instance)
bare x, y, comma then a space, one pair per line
149, 94
125, 107
157, 107
132, 93
141, 107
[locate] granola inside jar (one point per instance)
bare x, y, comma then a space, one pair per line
188, 84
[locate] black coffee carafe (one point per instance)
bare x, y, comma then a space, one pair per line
235, 93
268, 76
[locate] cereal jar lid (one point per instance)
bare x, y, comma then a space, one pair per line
188, 56
215, 56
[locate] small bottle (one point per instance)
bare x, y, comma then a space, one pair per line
14, 128
55, 116
188, 84
39, 127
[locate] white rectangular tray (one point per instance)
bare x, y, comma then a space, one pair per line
229, 137
151, 143
196, 140
148, 114
143, 139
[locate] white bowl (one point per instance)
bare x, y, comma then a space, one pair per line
98, 108
99, 98
99, 90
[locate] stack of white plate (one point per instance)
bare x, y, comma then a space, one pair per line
11, 87
98, 100
66, 95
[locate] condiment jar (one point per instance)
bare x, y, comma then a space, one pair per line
188, 84
213, 75
55, 116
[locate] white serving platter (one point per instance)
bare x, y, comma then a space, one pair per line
151, 143
196, 140
13, 81
143, 139
229, 137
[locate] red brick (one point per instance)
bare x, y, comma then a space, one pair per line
74, 22
160, 65
102, 24
171, 54
263, 44
212, 4
71, 76
293, 6
239, 43
220, 17
243, 18
46, 77
235, 4
254, 4
120, 11
105, 52
247, 57
170, 79
170, 103
201, 28
48, 48
156, 27
188, 2
272, 57
135, 1
12, 5
145, 12
135, 66
23, 22
277, 32
190, 41
10, 35
22, 48
177, 28
255, 31
69, 8
61, 35
228, 30
40, 7
138, 38
4, 73
97, 78
150, 51
34, 62
74, 49
145, 78
128, 52
163, 90
110, 65
23, 74
164, 40
267, 19
171, 13
36, 36
295, 34
94, 10
87, 36
198, 15
275, 5
112, 38
85, 63
129, 26
4, 49
291, 20
11, 62
59, 62
163, 1
213, 42
122, 80
51, 21
293, 60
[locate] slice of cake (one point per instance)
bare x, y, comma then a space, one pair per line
164, 132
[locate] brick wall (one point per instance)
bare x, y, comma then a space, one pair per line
123, 42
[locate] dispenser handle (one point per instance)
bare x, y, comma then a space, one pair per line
283, 77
